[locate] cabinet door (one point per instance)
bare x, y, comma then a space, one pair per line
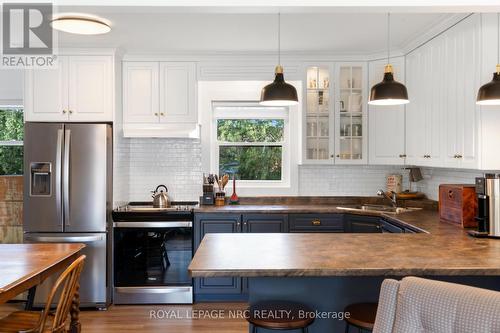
177, 92
362, 224
141, 101
462, 60
91, 90
350, 114
216, 223
386, 123
46, 93
265, 223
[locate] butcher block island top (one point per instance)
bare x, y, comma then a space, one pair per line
443, 249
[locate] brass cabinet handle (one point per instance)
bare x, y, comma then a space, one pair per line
156, 113
70, 111
459, 156
316, 222
402, 155
64, 111
162, 114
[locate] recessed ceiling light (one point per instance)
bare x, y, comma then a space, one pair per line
80, 25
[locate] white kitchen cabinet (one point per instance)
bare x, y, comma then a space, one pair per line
159, 99
80, 88
141, 92
335, 113
177, 92
426, 84
350, 113
91, 89
461, 64
386, 124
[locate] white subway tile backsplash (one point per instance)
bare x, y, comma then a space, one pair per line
143, 163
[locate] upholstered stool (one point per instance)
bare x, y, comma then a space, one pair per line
280, 315
361, 316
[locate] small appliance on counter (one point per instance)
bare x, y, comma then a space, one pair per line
208, 197
488, 206
458, 204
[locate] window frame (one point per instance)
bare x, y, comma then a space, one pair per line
13, 143
222, 110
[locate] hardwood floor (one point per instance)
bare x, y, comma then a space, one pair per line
141, 318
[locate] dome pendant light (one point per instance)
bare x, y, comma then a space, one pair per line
279, 93
389, 91
489, 94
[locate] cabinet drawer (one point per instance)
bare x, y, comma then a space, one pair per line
316, 223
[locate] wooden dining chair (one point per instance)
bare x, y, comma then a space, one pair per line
46, 321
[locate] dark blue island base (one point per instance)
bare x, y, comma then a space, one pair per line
330, 295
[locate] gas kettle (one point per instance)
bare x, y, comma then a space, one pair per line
160, 198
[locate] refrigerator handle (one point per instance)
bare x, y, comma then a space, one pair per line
64, 239
58, 185
67, 143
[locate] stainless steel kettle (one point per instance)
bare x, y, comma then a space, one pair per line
160, 197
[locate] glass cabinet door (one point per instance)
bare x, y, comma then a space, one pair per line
350, 122
318, 116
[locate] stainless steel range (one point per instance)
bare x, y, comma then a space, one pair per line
152, 251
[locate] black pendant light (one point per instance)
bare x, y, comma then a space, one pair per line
389, 91
489, 94
279, 93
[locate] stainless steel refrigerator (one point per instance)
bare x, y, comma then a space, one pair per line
68, 197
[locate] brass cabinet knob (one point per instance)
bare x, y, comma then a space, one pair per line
64, 111
70, 111
332, 156
162, 114
402, 155
156, 113
316, 222
338, 155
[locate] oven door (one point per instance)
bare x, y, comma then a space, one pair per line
151, 262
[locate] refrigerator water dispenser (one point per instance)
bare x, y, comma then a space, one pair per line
41, 175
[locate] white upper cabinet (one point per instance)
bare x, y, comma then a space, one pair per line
386, 144
159, 99
80, 88
461, 64
442, 81
45, 93
426, 84
177, 92
91, 89
140, 92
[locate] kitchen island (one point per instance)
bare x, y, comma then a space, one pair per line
330, 270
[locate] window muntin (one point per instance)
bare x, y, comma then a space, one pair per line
11, 141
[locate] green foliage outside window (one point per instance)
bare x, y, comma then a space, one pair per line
251, 162
11, 129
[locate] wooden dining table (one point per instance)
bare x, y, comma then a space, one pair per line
25, 266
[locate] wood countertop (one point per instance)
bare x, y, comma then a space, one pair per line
444, 249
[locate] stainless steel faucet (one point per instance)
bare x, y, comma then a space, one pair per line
392, 199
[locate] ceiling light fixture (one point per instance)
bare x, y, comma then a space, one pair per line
389, 91
489, 93
279, 93
80, 25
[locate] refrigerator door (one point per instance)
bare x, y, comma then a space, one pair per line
93, 281
43, 146
86, 177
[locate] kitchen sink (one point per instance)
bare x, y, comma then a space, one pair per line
379, 208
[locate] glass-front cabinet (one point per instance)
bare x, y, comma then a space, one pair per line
318, 114
335, 114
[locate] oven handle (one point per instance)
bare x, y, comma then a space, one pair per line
152, 290
153, 224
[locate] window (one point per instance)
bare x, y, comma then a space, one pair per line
11, 141
251, 142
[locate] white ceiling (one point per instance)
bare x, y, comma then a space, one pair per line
148, 31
